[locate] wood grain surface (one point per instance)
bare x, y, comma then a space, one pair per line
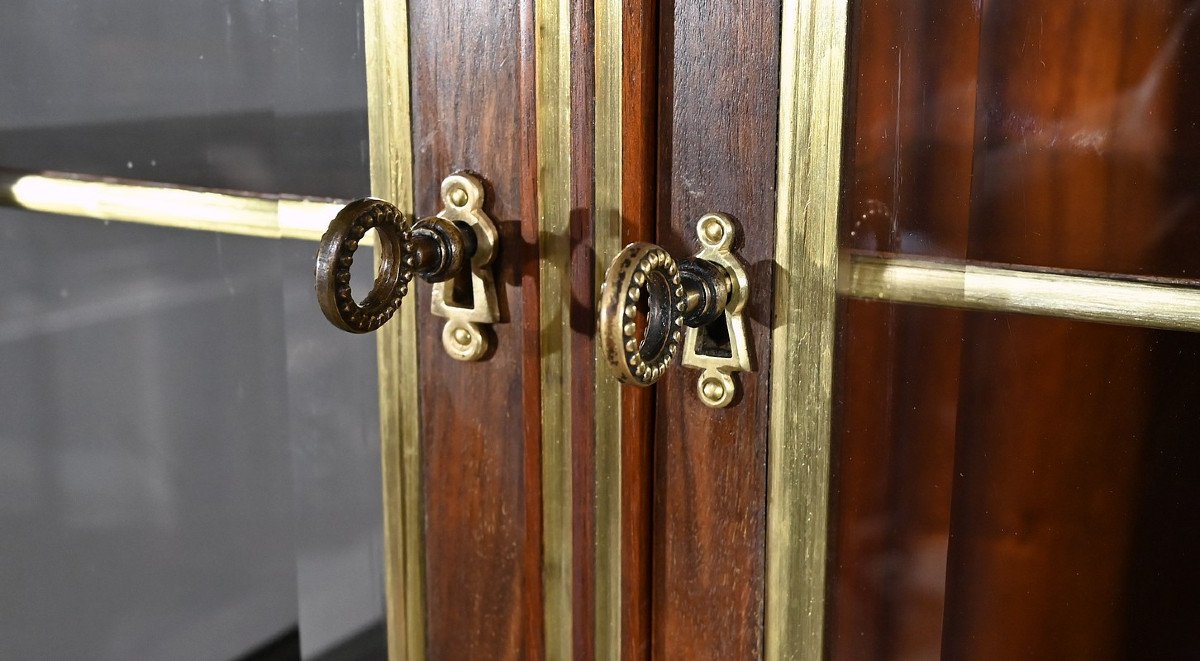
639, 186
472, 82
583, 327
638, 167
719, 101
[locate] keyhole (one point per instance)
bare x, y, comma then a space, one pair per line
461, 292
713, 339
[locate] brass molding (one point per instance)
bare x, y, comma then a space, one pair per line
389, 121
1080, 295
606, 242
552, 64
180, 207
812, 86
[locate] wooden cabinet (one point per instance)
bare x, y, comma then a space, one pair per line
970, 480
967, 228
562, 515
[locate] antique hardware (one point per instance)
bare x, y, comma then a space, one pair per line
456, 244
697, 302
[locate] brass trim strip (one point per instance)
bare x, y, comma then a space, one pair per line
389, 120
606, 239
1079, 295
812, 82
552, 63
130, 201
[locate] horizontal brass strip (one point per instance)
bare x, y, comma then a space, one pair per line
1086, 296
126, 200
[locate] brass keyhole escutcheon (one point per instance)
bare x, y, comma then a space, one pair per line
650, 304
458, 244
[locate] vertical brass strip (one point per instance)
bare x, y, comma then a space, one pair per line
812, 81
607, 243
552, 53
389, 114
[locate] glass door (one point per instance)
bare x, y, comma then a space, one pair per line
1014, 431
189, 461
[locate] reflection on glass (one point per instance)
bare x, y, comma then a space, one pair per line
144, 463
333, 399
189, 453
178, 92
1039, 132
1011, 485
257, 96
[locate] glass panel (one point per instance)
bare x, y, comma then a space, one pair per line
1041, 132
321, 99
333, 402
144, 461
189, 395
177, 92
1012, 486
1009, 485
333, 428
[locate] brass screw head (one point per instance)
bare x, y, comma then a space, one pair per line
462, 336
713, 231
458, 196
713, 390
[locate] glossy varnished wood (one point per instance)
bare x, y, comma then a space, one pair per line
472, 89
719, 71
639, 101
639, 185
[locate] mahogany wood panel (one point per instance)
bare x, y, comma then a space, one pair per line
639, 163
472, 96
718, 80
639, 186
526, 263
